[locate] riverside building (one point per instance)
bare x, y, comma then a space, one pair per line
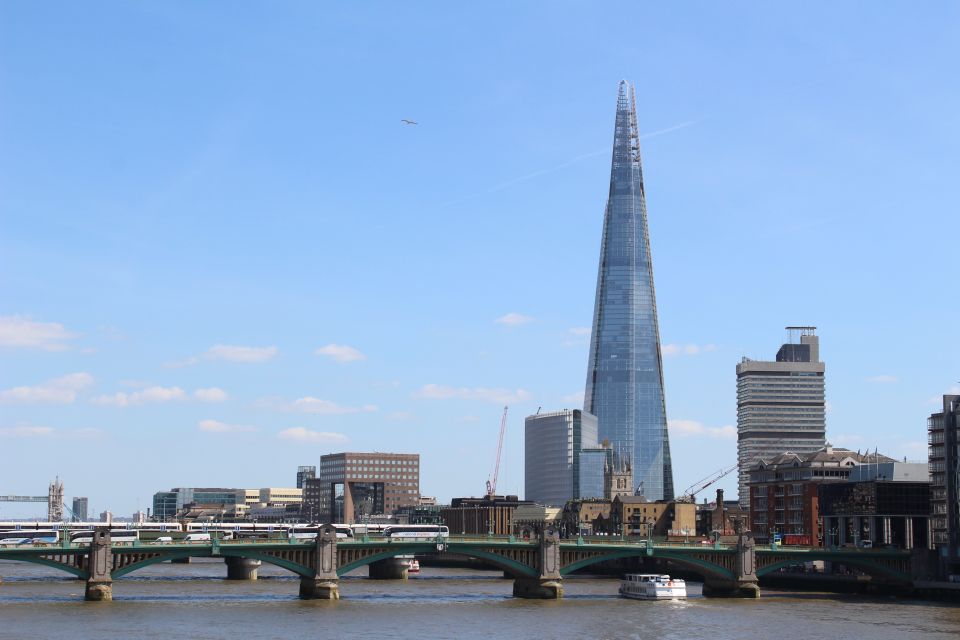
624, 387
351, 487
785, 492
780, 405
943, 436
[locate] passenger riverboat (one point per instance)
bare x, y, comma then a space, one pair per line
413, 567
650, 586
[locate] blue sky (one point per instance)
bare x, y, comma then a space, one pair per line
222, 255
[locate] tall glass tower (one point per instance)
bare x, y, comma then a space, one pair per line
625, 373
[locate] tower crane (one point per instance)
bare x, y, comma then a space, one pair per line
690, 494
492, 481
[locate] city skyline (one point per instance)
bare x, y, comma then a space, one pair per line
240, 252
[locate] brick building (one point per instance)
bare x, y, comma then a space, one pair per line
784, 497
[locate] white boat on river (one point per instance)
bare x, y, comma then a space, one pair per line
651, 586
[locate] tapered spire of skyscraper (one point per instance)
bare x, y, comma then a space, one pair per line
625, 372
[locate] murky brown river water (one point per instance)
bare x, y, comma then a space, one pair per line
194, 602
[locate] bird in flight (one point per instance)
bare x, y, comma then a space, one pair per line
405, 121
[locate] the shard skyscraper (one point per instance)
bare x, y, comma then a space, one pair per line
625, 372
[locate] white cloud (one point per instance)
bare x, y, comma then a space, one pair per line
686, 349
883, 379
682, 428
230, 353
240, 354
20, 331
34, 431
213, 394
574, 399
310, 404
301, 434
58, 391
579, 331
340, 353
27, 432
827, 407
498, 396
215, 426
513, 319
147, 396
186, 362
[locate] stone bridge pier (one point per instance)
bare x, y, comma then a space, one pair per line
324, 584
744, 583
242, 568
99, 564
390, 569
549, 584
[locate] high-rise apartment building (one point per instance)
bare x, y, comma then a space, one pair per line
624, 372
780, 405
354, 486
943, 435
552, 454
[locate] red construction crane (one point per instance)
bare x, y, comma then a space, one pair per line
492, 482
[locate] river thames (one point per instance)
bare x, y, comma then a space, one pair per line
194, 602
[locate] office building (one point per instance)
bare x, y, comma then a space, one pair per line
624, 386
79, 510
220, 501
552, 454
943, 436
352, 487
305, 473
278, 496
780, 404
880, 505
490, 514
784, 492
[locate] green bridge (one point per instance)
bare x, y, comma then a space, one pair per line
537, 566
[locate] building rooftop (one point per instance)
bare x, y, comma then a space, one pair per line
828, 456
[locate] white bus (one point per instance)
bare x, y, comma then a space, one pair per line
28, 536
416, 532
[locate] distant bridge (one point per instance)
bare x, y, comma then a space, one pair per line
537, 565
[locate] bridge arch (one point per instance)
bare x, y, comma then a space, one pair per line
293, 567
700, 566
869, 565
513, 567
74, 571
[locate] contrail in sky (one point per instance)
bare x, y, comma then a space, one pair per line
562, 165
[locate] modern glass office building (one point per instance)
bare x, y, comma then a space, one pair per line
552, 454
625, 373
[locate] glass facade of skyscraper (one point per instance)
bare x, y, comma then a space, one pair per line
624, 373
592, 463
552, 448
